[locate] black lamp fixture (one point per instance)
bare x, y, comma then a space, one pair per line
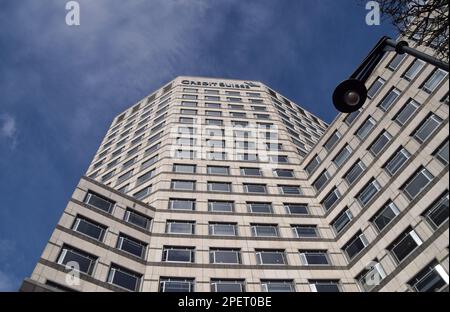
351, 94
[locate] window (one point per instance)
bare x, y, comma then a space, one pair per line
397, 161
314, 257
131, 245
186, 120
432, 278
213, 113
239, 115
434, 80
255, 188
215, 143
259, 108
268, 256
145, 177
406, 112
224, 256
246, 157
442, 153
246, 171
244, 144
405, 244
219, 170
170, 284
324, 285
190, 90
313, 164
89, 228
186, 130
417, 183
380, 142
331, 199
215, 132
258, 207
128, 163
181, 204
185, 142
124, 278
350, 118
219, 186
284, 173
180, 227
262, 116
427, 128
84, 260
385, 215
264, 230
305, 231
220, 206
296, 208
342, 156
332, 141
414, 69
137, 219
437, 214
368, 192
188, 103
189, 96
389, 99
209, 91
184, 154
356, 244
279, 159
395, 62
341, 221
217, 155
183, 168
290, 189
214, 122
182, 185
320, 182
149, 162
222, 229
375, 87
143, 193
212, 105
98, 201
227, 285
367, 276
355, 172
178, 254
277, 286
366, 127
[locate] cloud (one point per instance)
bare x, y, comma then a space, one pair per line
8, 129
8, 281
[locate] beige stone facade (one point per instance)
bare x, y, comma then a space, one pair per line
160, 210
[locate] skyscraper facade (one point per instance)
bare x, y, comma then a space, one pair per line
226, 185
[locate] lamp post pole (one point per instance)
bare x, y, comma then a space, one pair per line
350, 95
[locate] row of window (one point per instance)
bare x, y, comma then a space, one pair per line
188, 185
432, 277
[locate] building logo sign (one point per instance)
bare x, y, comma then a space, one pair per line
244, 85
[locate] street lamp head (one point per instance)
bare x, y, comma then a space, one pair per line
349, 95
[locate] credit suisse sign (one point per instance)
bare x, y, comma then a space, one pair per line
243, 85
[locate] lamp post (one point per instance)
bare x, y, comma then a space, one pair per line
350, 95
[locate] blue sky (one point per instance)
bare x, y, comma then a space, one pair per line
61, 86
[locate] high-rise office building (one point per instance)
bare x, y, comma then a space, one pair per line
226, 185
